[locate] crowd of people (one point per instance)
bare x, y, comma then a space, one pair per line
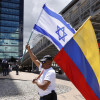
6, 68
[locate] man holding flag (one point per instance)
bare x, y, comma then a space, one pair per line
56, 29
79, 54
46, 80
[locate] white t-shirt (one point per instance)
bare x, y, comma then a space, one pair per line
48, 74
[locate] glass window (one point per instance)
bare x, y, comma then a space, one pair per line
9, 42
8, 55
8, 29
14, 1
9, 23
9, 5
9, 17
9, 36
8, 49
9, 11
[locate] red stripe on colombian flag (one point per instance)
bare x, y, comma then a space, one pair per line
71, 70
99, 46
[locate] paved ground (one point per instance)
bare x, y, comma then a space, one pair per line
20, 87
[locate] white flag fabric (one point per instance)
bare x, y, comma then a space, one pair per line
54, 27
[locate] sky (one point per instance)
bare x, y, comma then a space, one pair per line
32, 9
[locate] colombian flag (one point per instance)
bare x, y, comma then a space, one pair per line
80, 60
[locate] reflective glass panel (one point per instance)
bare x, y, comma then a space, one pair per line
9, 23
9, 5
9, 42
9, 36
9, 17
8, 29
14, 1
8, 55
8, 49
9, 11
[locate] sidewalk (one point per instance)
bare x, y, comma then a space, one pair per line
67, 94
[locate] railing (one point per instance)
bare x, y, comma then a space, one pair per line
82, 11
43, 43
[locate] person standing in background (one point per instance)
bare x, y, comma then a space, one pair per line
17, 69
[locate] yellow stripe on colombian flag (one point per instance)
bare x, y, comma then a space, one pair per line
86, 39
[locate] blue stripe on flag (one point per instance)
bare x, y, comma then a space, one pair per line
39, 29
57, 16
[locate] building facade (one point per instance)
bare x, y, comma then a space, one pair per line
11, 28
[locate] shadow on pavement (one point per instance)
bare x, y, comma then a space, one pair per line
62, 76
8, 87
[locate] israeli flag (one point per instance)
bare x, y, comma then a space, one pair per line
54, 27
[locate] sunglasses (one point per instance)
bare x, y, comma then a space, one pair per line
43, 62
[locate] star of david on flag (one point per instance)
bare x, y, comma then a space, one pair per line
53, 27
61, 36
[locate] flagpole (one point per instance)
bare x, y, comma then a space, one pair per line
30, 36
27, 43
